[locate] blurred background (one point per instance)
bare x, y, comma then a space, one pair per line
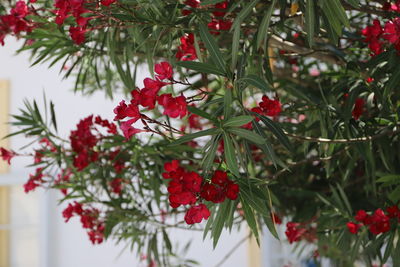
32, 230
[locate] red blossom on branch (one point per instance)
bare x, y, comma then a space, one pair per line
7, 155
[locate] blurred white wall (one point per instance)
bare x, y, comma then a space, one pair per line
55, 243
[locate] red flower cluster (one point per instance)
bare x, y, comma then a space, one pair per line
187, 188
15, 22
34, 180
76, 8
90, 219
196, 214
184, 186
358, 108
82, 143
117, 184
6, 155
147, 97
294, 232
377, 223
269, 107
218, 23
377, 36
173, 107
186, 51
63, 177
190, 5
219, 188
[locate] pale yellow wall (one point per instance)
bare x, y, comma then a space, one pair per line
4, 191
254, 253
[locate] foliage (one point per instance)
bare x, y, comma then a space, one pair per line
321, 146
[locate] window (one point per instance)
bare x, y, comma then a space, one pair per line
19, 213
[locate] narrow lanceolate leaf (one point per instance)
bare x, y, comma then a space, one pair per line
238, 121
212, 48
276, 130
235, 46
228, 103
230, 155
202, 113
188, 137
211, 152
53, 116
244, 12
310, 21
336, 7
250, 218
201, 67
246, 134
393, 82
210, 2
255, 81
263, 29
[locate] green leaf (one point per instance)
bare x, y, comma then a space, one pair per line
202, 114
212, 48
389, 180
250, 218
394, 196
246, 134
310, 21
264, 25
235, 46
188, 137
354, 3
237, 121
276, 130
230, 156
201, 67
244, 12
393, 82
219, 221
53, 116
227, 103
256, 81
389, 247
210, 2
211, 153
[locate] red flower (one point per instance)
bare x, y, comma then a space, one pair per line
353, 227
358, 108
34, 180
380, 223
77, 34
122, 111
6, 155
270, 107
116, 185
393, 212
107, 2
391, 31
164, 71
20, 10
276, 219
196, 214
171, 166
221, 6
128, 130
232, 191
194, 122
186, 51
361, 216
219, 178
294, 232
173, 107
